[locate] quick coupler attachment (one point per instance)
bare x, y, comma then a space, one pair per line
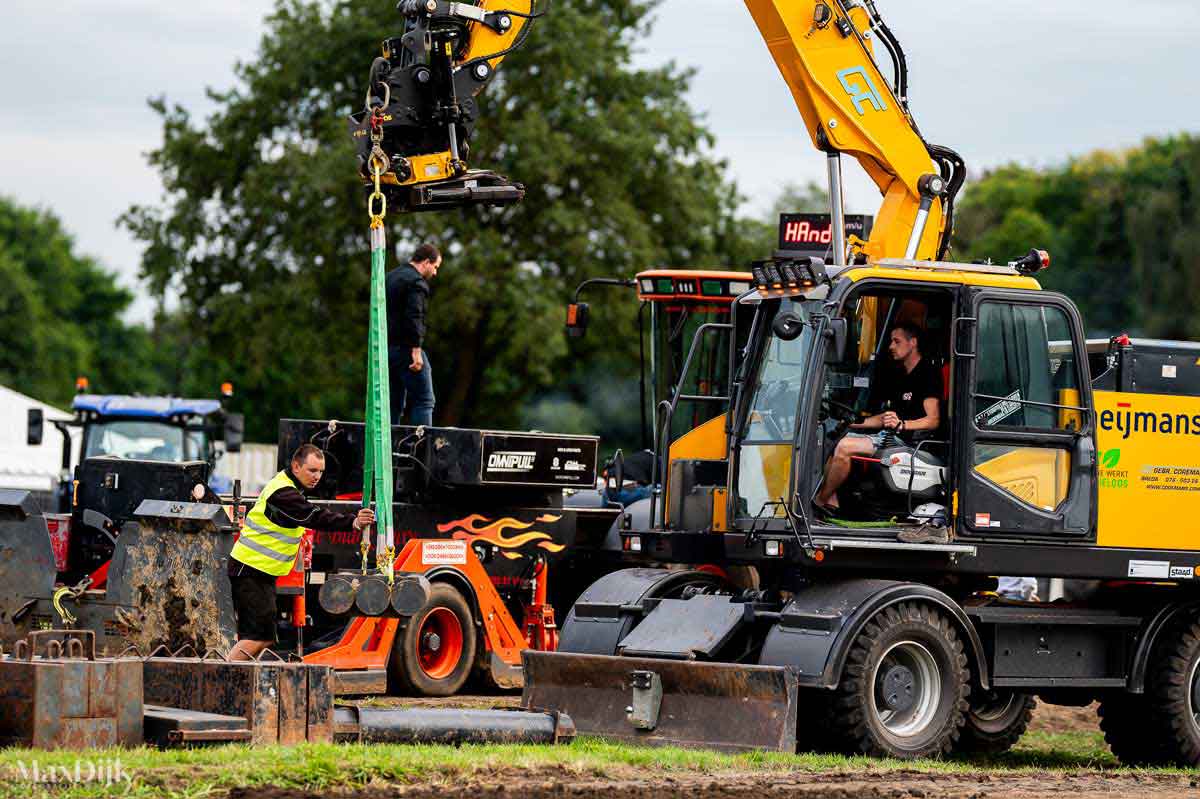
478, 187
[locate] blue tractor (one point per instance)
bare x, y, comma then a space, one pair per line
131, 448
164, 429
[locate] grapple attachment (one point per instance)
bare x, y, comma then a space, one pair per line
667, 702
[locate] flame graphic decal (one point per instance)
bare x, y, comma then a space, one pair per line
477, 527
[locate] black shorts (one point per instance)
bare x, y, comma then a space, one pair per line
254, 601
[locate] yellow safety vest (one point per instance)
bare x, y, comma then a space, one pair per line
264, 545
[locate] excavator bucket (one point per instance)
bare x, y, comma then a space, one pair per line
654, 701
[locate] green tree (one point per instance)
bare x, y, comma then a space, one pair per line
794, 198
1121, 229
61, 314
263, 233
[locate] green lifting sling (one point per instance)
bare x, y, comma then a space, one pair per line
377, 461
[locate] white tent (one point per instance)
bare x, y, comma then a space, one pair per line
23, 466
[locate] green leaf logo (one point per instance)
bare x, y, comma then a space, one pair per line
1111, 459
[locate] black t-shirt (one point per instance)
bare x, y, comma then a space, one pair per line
905, 392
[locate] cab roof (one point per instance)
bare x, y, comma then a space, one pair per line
144, 407
986, 275
692, 286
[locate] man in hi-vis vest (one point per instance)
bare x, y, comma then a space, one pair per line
267, 546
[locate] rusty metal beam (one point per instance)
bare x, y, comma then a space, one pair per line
282, 703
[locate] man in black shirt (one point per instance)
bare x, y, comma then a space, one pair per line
909, 397
408, 363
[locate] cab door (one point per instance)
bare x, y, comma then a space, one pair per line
1027, 457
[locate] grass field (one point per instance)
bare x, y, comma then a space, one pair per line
338, 768
1063, 752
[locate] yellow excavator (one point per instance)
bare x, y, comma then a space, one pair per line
1055, 457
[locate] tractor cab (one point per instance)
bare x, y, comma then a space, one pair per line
163, 429
130, 448
689, 334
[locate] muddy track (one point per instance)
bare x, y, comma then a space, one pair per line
835, 785
858, 784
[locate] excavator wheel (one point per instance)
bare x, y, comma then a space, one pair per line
903, 691
995, 722
434, 653
1173, 695
1122, 717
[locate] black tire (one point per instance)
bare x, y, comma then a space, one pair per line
428, 659
1123, 721
1173, 691
995, 721
903, 690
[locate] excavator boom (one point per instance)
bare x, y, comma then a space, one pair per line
825, 50
421, 111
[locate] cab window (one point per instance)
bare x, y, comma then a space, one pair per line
1027, 375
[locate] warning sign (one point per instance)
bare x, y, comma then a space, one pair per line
444, 553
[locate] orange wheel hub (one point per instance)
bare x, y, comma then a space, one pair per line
439, 643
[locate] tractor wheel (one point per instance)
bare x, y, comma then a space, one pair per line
995, 722
1122, 720
903, 690
1173, 691
434, 653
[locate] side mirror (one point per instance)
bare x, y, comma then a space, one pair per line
577, 319
37, 426
788, 326
235, 429
838, 333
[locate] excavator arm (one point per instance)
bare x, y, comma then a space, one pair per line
421, 110
825, 50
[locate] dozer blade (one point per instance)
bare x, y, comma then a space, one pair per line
667, 702
168, 581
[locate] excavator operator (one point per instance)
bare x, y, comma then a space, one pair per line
909, 396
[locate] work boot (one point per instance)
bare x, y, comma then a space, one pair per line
925, 534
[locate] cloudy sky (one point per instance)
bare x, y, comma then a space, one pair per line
1021, 80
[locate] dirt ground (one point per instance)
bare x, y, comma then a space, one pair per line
1053, 718
826, 785
1083, 784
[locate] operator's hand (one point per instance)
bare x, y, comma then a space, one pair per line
365, 518
418, 361
890, 420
